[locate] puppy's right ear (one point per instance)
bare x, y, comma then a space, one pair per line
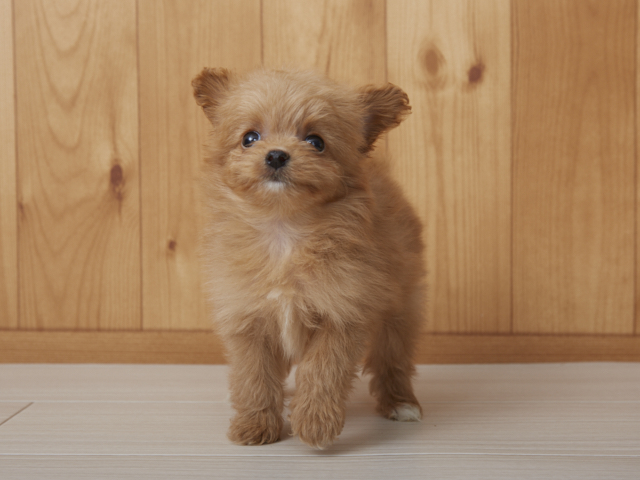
210, 87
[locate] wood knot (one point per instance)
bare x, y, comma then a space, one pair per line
117, 181
117, 176
432, 62
475, 73
172, 245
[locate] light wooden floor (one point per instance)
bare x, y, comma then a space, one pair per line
550, 421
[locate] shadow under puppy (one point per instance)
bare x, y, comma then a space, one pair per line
312, 254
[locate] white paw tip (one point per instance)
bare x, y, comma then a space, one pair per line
406, 413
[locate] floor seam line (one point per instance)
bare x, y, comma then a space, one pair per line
17, 413
424, 454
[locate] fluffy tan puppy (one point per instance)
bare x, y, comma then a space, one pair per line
313, 256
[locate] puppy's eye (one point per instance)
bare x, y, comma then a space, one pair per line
316, 142
250, 138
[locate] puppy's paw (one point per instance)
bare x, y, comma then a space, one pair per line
255, 428
317, 424
404, 412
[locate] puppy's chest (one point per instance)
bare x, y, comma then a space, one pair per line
279, 250
279, 241
287, 283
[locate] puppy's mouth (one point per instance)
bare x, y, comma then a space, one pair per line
275, 181
274, 185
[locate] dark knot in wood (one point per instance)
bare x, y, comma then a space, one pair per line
475, 73
117, 181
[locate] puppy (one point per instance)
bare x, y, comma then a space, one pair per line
312, 254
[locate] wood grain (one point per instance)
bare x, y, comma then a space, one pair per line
109, 347
344, 40
574, 84
568, 382
178, 39
637, 179
453, 153
471, 349
79, 222
199, 429
164, 426
173, 383
8, 207
191, 347
318, 467
520, 157
498, 422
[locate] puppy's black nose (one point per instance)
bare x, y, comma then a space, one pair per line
276, 159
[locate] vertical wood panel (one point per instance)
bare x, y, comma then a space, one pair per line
574, 166
177, 39
78, 164
637, 177
453, 153
8, 221
70, 237
343, 39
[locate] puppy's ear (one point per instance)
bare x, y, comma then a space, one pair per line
210, 87
385, 108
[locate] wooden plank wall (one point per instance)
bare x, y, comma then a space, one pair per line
8, 164
520, 157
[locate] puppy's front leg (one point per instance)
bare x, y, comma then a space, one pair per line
323, 381
257, 373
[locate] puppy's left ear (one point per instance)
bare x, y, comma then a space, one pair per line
385, 108
210, 87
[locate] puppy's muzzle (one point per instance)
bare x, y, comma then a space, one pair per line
276, 159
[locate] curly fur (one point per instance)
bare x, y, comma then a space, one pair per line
318, 263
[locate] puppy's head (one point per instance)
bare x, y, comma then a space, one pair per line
290, 138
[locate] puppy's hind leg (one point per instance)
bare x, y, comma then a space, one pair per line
390, 364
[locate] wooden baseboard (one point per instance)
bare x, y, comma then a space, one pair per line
110, 347
445, 349
205, 348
